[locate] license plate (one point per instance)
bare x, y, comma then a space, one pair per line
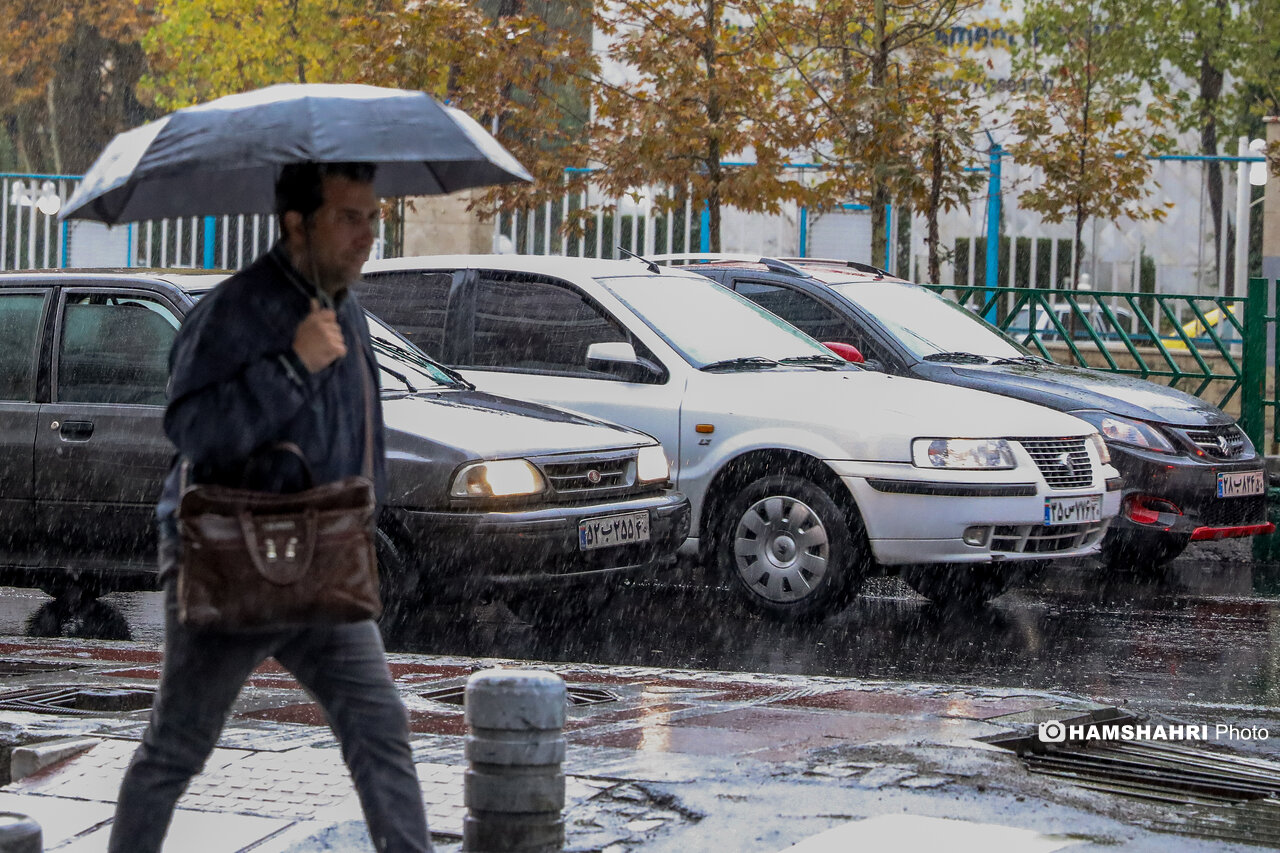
1238, 484
1079, 510
610, 530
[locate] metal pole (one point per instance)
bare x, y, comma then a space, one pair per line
1242, 220
1253, 364
993, 228
210, 245
1224, 227
514, 787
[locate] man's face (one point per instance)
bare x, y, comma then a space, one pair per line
341, 232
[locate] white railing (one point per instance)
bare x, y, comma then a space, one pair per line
31, 237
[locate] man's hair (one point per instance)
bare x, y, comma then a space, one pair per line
300, 186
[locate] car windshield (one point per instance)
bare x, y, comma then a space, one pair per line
404, 367
708, 324
928, 324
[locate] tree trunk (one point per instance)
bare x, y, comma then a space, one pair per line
54, 148
1211, 79
935, 198
879, 187
715, 115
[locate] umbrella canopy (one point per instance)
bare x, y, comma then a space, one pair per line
223, 157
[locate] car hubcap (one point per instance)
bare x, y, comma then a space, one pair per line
781, 549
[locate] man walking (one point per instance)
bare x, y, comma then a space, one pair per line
276, 353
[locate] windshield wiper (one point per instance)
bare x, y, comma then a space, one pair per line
400, 376
966, 357
1021, 359
751, 362
822, 362
416, 359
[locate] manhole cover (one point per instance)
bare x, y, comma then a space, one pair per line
17, 666
78, 701
576, 694
1221, 794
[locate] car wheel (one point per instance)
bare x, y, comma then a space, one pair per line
957, 586
790, 551
85, 619
1141, 551
399, 607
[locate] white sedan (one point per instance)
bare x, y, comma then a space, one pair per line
804, 472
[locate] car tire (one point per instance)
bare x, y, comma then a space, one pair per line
399, 612
1141, 551
962, 586
790, 551
90, 619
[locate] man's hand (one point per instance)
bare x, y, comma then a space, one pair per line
318, 341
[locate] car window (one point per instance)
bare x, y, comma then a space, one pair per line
20, 315
412, 301
1066, 317
114, 349
926, 323
799, 309
528, 323
706, 322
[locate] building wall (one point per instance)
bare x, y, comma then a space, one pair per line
442, 225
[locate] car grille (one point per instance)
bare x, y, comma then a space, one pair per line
1064, 462
1039, 539
1220, 442
580, 475
1227, 512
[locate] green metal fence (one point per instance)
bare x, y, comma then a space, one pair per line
1215, 347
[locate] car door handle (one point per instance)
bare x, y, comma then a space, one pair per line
76, 430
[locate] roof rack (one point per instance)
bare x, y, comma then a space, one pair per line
841, 262
772, 264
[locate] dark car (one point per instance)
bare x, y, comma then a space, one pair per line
487, 496
1190, 471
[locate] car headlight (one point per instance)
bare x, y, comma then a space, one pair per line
504, 478
1100, 444
652, 465
1127, 431
962, 453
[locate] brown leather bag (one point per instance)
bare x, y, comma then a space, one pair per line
252, 559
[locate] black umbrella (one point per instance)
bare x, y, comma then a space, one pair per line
223, 157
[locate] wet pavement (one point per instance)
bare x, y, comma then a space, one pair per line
657, 759
1202, 642
699, 723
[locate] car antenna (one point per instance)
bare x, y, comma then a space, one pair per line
653, 267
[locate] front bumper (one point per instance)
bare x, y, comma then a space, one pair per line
1190, 485
911, 517
465, 552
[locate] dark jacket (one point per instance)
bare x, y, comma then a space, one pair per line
236, 385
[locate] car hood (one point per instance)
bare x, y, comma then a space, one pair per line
486, 426
871, 415
1069, 388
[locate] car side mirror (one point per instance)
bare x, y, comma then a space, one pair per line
848, 352
618, 358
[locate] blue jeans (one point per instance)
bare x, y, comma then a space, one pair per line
343, 666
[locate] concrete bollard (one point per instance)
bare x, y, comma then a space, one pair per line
19, 834
514, 787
